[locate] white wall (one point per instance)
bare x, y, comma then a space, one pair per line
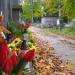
46, 21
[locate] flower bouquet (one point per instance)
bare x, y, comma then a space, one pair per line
24, 25
12, 62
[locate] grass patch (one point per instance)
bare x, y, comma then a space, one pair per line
66, 31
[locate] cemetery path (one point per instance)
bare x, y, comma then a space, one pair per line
64, 47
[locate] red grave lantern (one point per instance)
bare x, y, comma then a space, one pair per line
1, 18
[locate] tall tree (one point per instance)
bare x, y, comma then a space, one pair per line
51, 7
38, 9
32, 8
27, 9
69, 9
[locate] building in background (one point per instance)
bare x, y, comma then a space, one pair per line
48, 21
10, 9
15, 9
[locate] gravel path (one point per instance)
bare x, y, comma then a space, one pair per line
64, 47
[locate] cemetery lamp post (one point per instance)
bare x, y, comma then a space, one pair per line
32, 9
60, 13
